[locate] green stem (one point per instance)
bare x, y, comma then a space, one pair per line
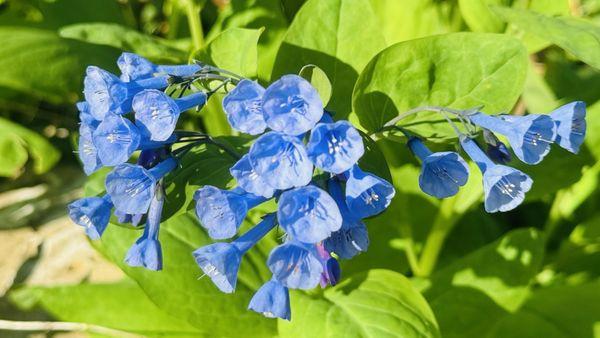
195, 23
411, 256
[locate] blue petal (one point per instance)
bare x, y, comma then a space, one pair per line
92, 213
156, 114
88, 153
147, 253
221, 212
272, 300
247, 178
134, 67
294, 266
131, 188
442, 174
335, 147
220, 262
571, 125
533, 137
504, 188
105, 93
116, 139
243, 106
367, 194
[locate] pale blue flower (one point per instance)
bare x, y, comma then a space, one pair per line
243, 106
134, 67
87, 151
92, 213
367, 194
272, 300
335, 147
247, 178
295, 266
146, 251
570, 125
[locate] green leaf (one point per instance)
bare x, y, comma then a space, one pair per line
326, 34
579, 37
377, 303
431, 71
317, 77
479, 17
14, 155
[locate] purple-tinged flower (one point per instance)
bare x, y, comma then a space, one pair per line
295, 266
132, 187
221, 212
281, 161
331, 267
291, 105
308, 214
367, 194
146, 251
247, 178
272, 300
335, 147
570, 125
88, 153
156, 114
134, 67
504, 187
243, 106
92, 213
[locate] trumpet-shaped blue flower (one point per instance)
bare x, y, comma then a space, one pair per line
88, 153
291, 105
529, 136
367, 194
335, 147
247, 178
116, 139
504, 187
105, 93
308, 214
272, 300
92, 213
442, 173
156, 113
221, 261
281, 161
147, 251
570, 125
131, 187
134, 67
295, 266
243, 106
221, 212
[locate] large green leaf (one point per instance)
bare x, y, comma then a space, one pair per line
338, 36
431, 71
377, 303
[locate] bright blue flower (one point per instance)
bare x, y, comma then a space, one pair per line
221, 212
146, 251
84, 114
335, 147
156, 113
132, 187
352, 238
105, 93
295, 266
92, 213
243, 106
221, 261
367, 194
281, 161
116, 139
442, 173
570, 125
123, 218
88, 153
134, 67
249, 180
291, 105
504, 187
272, 300
529, 136
308, 214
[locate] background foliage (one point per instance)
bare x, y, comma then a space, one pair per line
434, 268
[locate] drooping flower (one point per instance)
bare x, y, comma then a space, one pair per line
335, 147
295, 266
570, 125
308, 214
504, 187
367, 194
291, 105
88, 153
529, 136
221, 212
243, 106
281, 161
442, 173
84, 114
247, 178
132, 187
146, 251
116, 139
221, 261
134, 67
272, 300
156, 114
92, 213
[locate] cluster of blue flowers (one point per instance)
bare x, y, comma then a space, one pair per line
308, 164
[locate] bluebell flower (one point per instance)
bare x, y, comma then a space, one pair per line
87, 151
221, 212
146, 251
504, 187
247, 178
156, 113
116, 139
295, 266
84, 114
291, 105
570, 125
529, 136
308, 214
367, 194
243, 106
105, 93
272, 300
132, 187
123, 217
442, 173
221, 261
335, 147
352, 238
134, 67
92, 213
281, 161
